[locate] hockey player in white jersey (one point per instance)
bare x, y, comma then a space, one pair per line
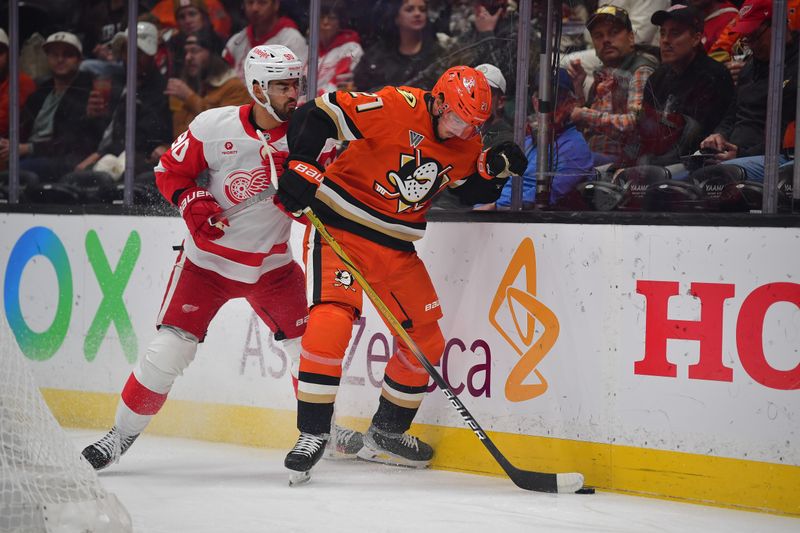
247, 257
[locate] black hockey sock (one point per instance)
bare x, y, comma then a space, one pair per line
314, 418
392, 418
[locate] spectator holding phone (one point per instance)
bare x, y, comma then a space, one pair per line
740, 137
685, 98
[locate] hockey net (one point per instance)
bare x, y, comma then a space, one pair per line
45, 484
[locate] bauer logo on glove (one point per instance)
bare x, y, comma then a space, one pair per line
298, 185
196, 206
307, 171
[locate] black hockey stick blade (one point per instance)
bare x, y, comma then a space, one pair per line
565, 483
562, 483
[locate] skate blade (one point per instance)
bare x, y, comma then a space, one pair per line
365, 454
299, 478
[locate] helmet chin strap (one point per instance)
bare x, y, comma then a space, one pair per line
268, 106
437, 109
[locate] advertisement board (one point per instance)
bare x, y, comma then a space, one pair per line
655, 337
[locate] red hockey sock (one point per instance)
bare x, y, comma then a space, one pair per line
140, 399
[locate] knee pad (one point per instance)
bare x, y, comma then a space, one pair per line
403, 367
326, 338
168, 355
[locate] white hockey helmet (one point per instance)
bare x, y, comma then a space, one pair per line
270, 62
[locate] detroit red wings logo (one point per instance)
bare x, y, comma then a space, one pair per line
242, 184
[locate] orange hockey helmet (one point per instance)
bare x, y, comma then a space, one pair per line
467, 93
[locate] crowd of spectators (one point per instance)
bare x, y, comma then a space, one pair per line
680, 87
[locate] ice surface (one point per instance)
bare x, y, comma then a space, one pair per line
176, 485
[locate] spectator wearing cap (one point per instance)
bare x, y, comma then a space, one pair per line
571, 154
740, 137
153, 117
608, 117
207, 81
26, 87
191, 15
644, 31
497, 128
717, 14
55, 131
339, 48
686, 97
265, 26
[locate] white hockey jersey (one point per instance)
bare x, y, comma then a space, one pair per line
283, 32
338, 60
224, 142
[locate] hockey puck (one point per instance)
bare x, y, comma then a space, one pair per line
585, 490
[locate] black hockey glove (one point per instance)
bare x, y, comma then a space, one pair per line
502, 160
298, 184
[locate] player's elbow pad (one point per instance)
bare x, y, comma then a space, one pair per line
478, 190
309, 128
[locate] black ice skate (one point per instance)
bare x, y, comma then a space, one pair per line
306, 453
108, 449
344, 443
395, 449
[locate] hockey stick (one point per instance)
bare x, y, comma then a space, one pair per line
525, 479
216, 220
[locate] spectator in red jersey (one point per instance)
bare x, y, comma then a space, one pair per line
339, 49
717, 15
26, 87
265, 26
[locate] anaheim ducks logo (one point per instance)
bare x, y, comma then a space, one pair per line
417, 181
343, 278
242, 184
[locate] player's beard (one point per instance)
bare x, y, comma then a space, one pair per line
286, 113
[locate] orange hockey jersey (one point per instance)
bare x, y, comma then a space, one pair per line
381, 186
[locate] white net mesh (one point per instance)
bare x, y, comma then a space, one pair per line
45, 484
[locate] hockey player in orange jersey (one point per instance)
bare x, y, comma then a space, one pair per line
406, 146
